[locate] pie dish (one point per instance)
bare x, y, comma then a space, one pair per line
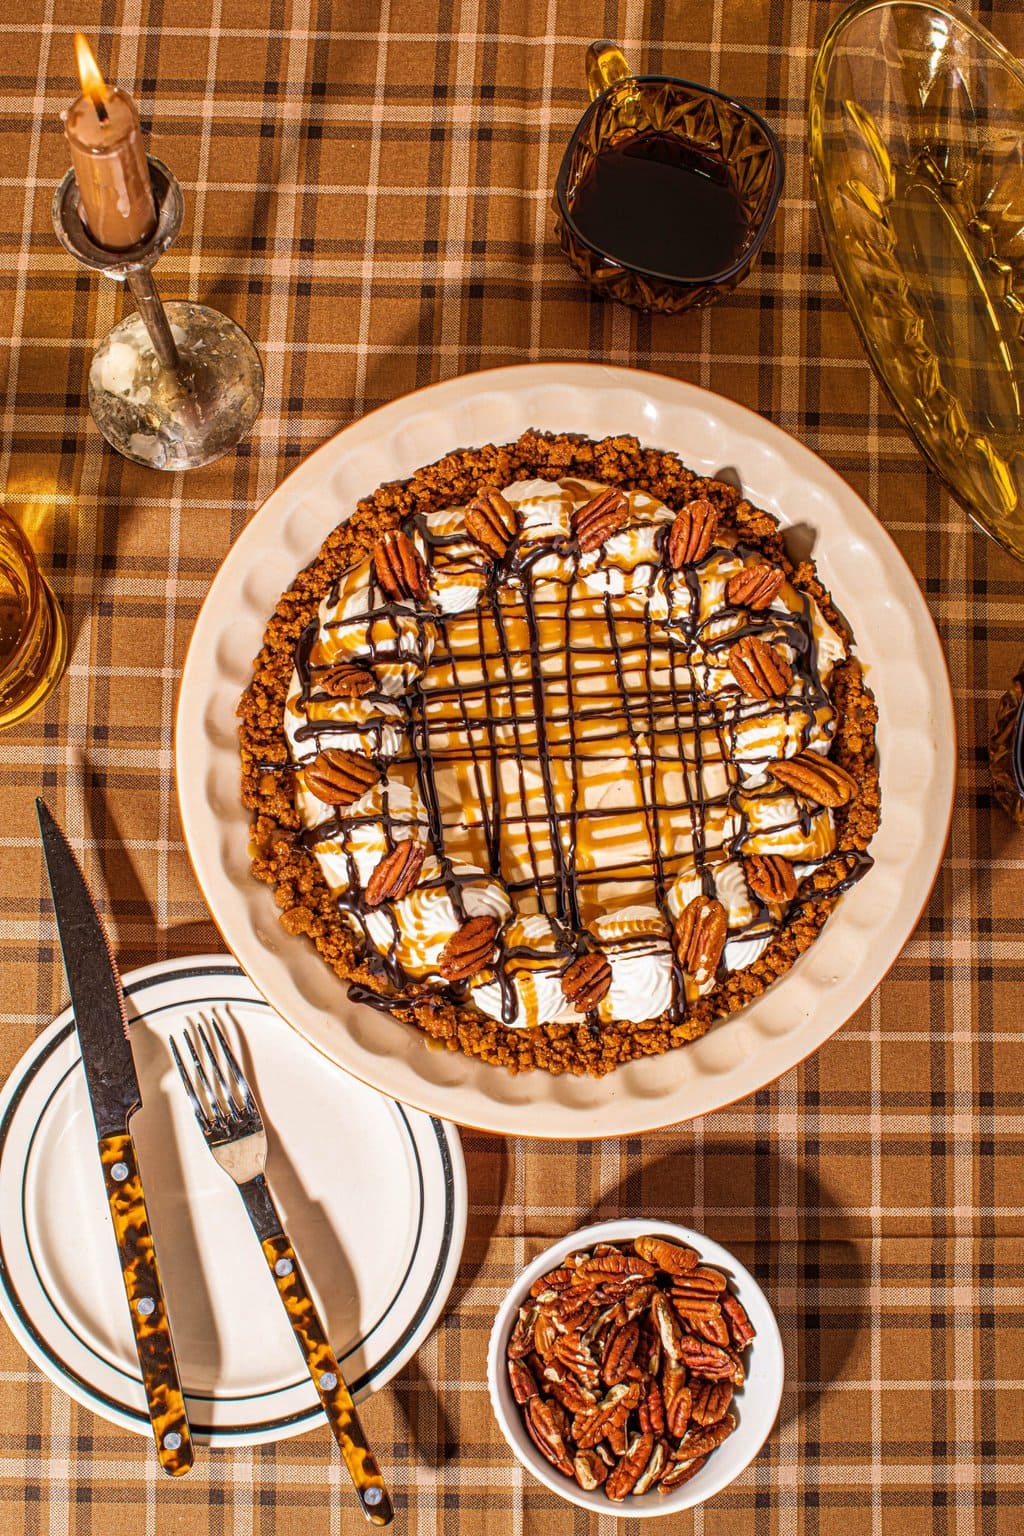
556, 754
872, 587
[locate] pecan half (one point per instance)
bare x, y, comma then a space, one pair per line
624, 1478
601, 517
708, 1281
396, 874
570, 1311
756, 587
492, 522
554, 1280
701, 1442
399, 567
617, 1264
708, 1360
468, 950
761, 671
648, 1354
675, 1392
741, 1329
590, 1470
739, 1375
679, 1473
710, 1400
700, 937
651, 1412
573, 1354
712, 1327
653, 1470
546, 1436
694, 1304
667, 1324
339, 777
586, 981
595, 1335
816, 778
637, 1298
564, 1387
590, 1427
693, 532
545, 1335
347, 681
522, 1381
673, 1258
619, 1353
616, 1438
770, 876
521, 1340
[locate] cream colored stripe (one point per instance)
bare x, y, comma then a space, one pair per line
58, 1463
542, 191
521, 40
37, 119
205, 118
290, 123
367, 267
455, 241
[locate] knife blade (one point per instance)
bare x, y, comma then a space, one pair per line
114, 1093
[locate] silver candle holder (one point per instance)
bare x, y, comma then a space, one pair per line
173, 386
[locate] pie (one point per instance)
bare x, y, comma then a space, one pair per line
555, 754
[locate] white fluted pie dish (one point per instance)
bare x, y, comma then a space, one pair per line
896, 642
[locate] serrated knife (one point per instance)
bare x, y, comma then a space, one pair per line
114, 1093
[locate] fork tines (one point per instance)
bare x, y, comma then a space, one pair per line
229, 1108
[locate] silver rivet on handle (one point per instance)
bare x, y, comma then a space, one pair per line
119, 1172
328, 1381
283, 1267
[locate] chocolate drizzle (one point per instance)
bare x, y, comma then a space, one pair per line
549, 687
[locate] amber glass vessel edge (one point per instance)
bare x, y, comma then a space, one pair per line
748, 252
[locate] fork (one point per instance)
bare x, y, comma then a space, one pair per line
232, 1126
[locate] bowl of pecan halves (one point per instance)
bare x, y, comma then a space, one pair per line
635, 1368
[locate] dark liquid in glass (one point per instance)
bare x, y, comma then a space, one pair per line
662, 205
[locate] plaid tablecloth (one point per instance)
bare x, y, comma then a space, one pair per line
367, 187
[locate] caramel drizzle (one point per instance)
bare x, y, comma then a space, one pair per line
668, 713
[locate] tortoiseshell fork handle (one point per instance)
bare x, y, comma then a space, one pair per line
323, 1367
141, 1275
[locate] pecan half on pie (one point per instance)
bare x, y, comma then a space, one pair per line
576, 758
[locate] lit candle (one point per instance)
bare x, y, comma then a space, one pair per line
109, 157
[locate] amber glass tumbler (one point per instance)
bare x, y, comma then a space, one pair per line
626, 106
33, 636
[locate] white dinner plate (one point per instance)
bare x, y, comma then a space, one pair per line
373, 1196
896, 641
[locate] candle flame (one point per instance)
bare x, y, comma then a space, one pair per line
93, 84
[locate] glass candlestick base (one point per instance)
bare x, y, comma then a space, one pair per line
177, 418
173, 386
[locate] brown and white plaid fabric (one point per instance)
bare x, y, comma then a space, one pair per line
367, 186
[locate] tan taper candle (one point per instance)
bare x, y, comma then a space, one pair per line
109, 158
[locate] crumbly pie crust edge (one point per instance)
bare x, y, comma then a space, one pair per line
267, 782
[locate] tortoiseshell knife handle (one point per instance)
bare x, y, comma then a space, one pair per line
327, 1378
141, 1275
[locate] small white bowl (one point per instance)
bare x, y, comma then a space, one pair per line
756, 1404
